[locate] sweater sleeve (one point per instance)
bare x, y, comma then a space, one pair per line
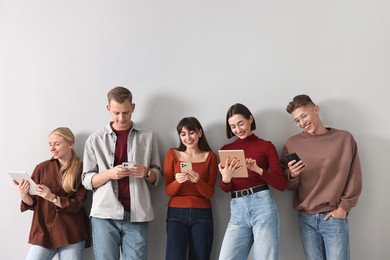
274, 174
292, 183
172, 187
353, 186
226, 187
35, 178
206, 188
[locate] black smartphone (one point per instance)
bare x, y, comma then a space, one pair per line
293, 156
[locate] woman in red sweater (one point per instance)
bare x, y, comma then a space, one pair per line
190, 175
254, 218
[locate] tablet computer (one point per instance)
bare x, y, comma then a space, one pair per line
20, 175
241, 172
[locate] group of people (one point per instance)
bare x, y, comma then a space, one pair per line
122, 160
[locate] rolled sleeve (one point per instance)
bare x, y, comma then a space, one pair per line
99, 156
90, 166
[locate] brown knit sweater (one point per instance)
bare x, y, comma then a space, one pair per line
332, 176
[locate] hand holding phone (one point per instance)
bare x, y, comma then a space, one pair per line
128, 165
295, 169
293, 156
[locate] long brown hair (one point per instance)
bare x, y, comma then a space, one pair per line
72, 169
192, 124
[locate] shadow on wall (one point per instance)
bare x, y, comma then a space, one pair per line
373, 152
343, 114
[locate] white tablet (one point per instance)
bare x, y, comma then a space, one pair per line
241, 172
20, 175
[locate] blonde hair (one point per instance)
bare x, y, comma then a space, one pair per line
72, 169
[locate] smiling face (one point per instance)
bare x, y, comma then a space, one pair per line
121, 114
240, 126
60, 148
190, 138
307, 118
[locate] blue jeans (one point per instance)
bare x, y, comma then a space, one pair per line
114, 237
324, 239
67, 252
254, 220
192, 229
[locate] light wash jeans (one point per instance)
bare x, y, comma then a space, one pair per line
111, 238
67, 252
254, 220
324, 239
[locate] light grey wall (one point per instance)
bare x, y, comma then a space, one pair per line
196, 58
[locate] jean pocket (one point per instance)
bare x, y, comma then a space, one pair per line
236, 213
205, 215
176, 214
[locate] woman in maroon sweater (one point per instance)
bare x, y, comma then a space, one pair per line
59, 225
254, 217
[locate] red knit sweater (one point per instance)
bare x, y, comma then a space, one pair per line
188, 194
266, 157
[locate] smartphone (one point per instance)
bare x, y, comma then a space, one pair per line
293, 156
128, 165
185, 166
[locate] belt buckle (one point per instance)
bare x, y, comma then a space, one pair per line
245, 192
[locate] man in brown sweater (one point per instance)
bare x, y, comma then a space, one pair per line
327, 181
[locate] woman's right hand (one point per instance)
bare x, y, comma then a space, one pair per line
23, 188
181, 177
228, 171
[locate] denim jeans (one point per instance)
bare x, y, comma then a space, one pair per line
324, 239
114, 237
192, 229
254, 220
67, 252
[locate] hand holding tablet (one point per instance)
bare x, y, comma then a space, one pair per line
242, 171
18, 176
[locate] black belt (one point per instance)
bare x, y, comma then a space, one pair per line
249, 191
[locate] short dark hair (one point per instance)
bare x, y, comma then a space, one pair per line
192, 124
241, 110
120, 95
299, 101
